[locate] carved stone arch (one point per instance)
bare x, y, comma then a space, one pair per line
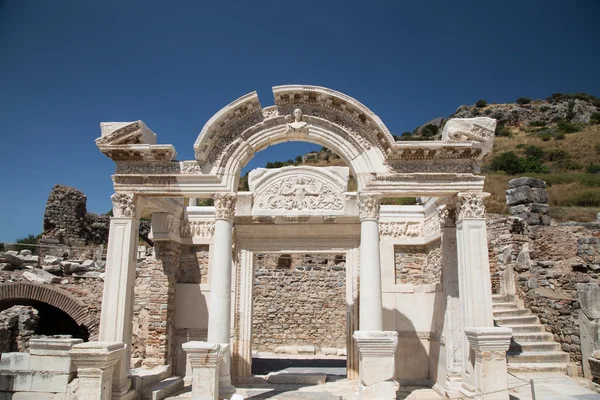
55, 297
239, 130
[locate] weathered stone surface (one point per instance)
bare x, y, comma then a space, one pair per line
525, 181
418, 265
525, 194
12, 258
40, 276
25, 252
589, 299
17, 325
88, 274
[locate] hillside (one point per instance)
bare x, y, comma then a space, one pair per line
556, 139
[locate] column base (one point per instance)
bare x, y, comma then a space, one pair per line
95, 362
490, 376
205, 359
377, 367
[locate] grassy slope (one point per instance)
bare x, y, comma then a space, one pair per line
566, 188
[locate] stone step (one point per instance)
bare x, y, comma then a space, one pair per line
511, 313
499, 298
525, 328
518, 347
504, 306
161, 390
524, 337
537, 367
535, 357
517, 320
291, 378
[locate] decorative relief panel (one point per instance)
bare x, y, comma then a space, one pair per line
299, 194
197, 229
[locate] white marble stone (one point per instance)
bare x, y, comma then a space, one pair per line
205, 359
377, 367
95, 362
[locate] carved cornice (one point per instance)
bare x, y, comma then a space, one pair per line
470, 205
225, 205
124, 205
368, 206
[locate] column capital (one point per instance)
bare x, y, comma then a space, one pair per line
126, 205
225, 205
447, 216
470, 205
489, 339
368, 206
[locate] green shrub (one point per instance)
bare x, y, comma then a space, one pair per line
481, 103
595, 118
430, 130
537, 123
512, 164
29, 240
597, 148
544, 108
593, 168
503, 131
557, 155
545, 137
569, 164
535, 152
587, 198
523, 100
566, 127
560, 136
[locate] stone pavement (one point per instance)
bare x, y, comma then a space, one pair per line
551, 387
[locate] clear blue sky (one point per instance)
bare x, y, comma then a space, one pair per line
65, 66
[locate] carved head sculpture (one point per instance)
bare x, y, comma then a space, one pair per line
297, 115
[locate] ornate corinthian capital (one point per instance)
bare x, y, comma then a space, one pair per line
447, 216
225, 205
470, 205
124, 205
368, 206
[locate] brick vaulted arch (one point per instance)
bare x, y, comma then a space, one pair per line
53, 296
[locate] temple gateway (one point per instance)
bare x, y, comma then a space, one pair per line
403, 292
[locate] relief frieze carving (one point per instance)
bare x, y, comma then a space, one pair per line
197, 229
299, 194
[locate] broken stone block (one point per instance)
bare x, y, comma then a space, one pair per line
52, 268
40, 276
51, 260
88, 274
25, 252
525, 181
11, 258
70, 267
525, 194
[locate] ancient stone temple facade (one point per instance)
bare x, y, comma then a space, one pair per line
412, 282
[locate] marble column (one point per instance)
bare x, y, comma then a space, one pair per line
95, 362
473, 276
117, 300
219, 314
370, 306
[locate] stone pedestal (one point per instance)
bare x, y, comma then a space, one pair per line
488, 351
371, 311
117, 300
594, 363
205, 359
95, 362
219, 315
377, 365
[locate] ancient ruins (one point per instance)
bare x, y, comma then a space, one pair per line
301, 265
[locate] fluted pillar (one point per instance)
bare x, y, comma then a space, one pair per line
117, 299
219, 314
371, 311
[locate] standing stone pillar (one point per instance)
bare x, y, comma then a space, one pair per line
371, 309
450, 368
219, 314
475, 289
117, 299
205, 359
95, 362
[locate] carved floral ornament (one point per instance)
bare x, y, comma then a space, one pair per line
299, 193
470, 205
225, 205
368, 206
124, 205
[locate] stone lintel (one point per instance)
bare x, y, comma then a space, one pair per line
203, 354
489, 338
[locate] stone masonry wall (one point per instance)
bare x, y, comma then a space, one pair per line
418, 265
194, 264
17, 325
299, 300
154, 313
